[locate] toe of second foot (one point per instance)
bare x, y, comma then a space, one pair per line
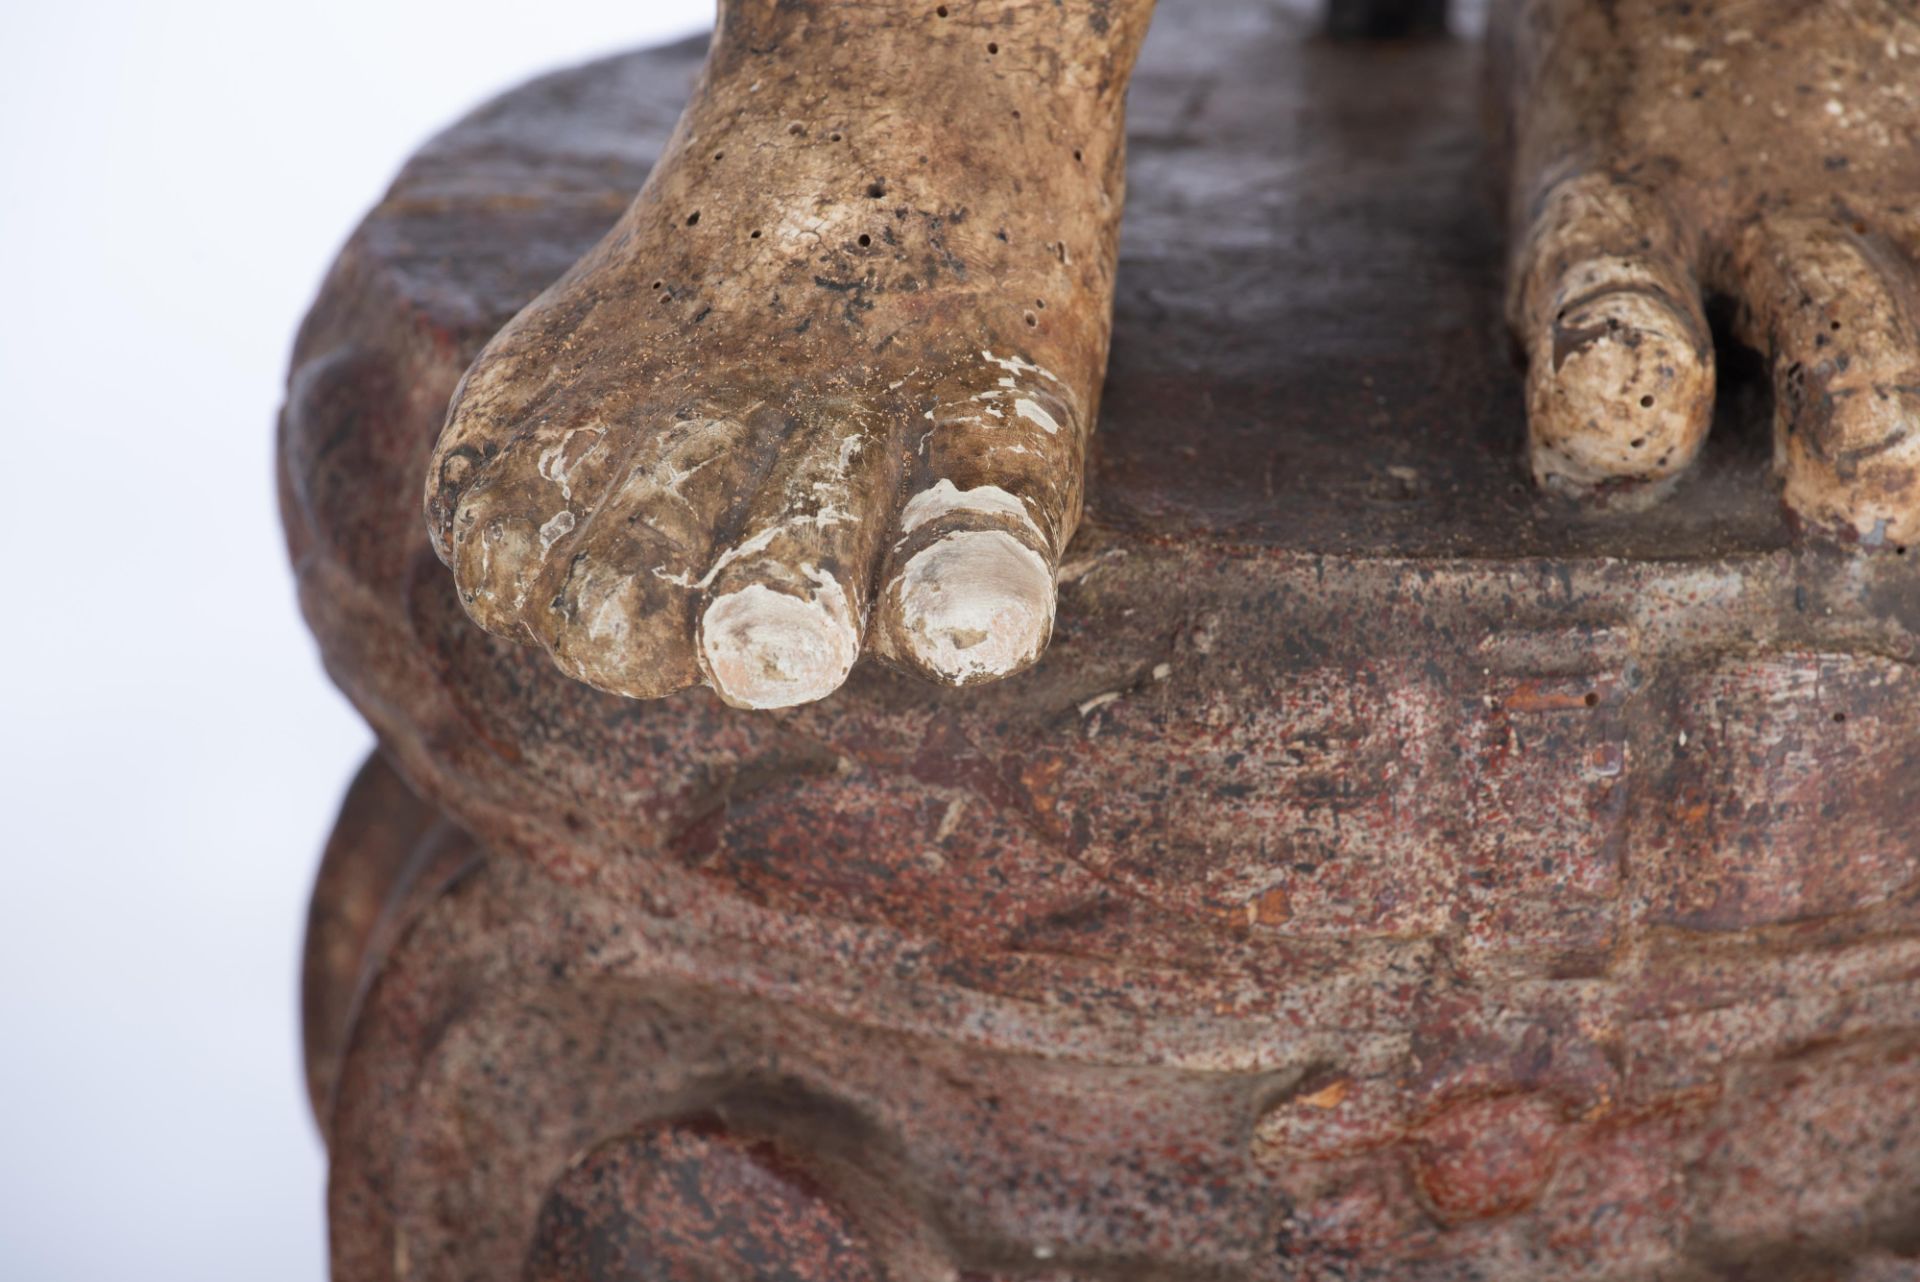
1620, 396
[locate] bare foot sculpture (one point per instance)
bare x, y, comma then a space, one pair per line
1767, 152
828, 384
830, 377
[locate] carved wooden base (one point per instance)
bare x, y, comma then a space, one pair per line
1388, 873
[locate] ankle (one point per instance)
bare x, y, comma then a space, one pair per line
865, 55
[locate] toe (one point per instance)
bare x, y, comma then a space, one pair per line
1834, 304
615, 604
485, 413
969, 586
786, 602
615, 628
972, 605
761, 647
505, 495
496, 561
1620, 365
491, 525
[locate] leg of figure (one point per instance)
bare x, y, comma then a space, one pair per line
837, 363
1764, 149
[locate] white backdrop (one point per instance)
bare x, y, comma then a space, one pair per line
173, 182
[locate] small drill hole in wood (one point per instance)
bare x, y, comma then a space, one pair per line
753, 235
940, 11
719, 155
865, 240
992, 48
1076, 154
1592, 700
693, 218
796, 129
658, 283
1646, 402
877, 190
1032, 319
1839, 718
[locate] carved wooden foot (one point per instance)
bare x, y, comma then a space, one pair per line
1768, 152
835, 366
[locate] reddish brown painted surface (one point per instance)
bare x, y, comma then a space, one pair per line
1387, 873
692, 1201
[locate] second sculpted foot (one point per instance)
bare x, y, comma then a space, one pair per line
1765, 150
827, 384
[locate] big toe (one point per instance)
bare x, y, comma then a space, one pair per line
973, 605
969, 588
1620, 377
